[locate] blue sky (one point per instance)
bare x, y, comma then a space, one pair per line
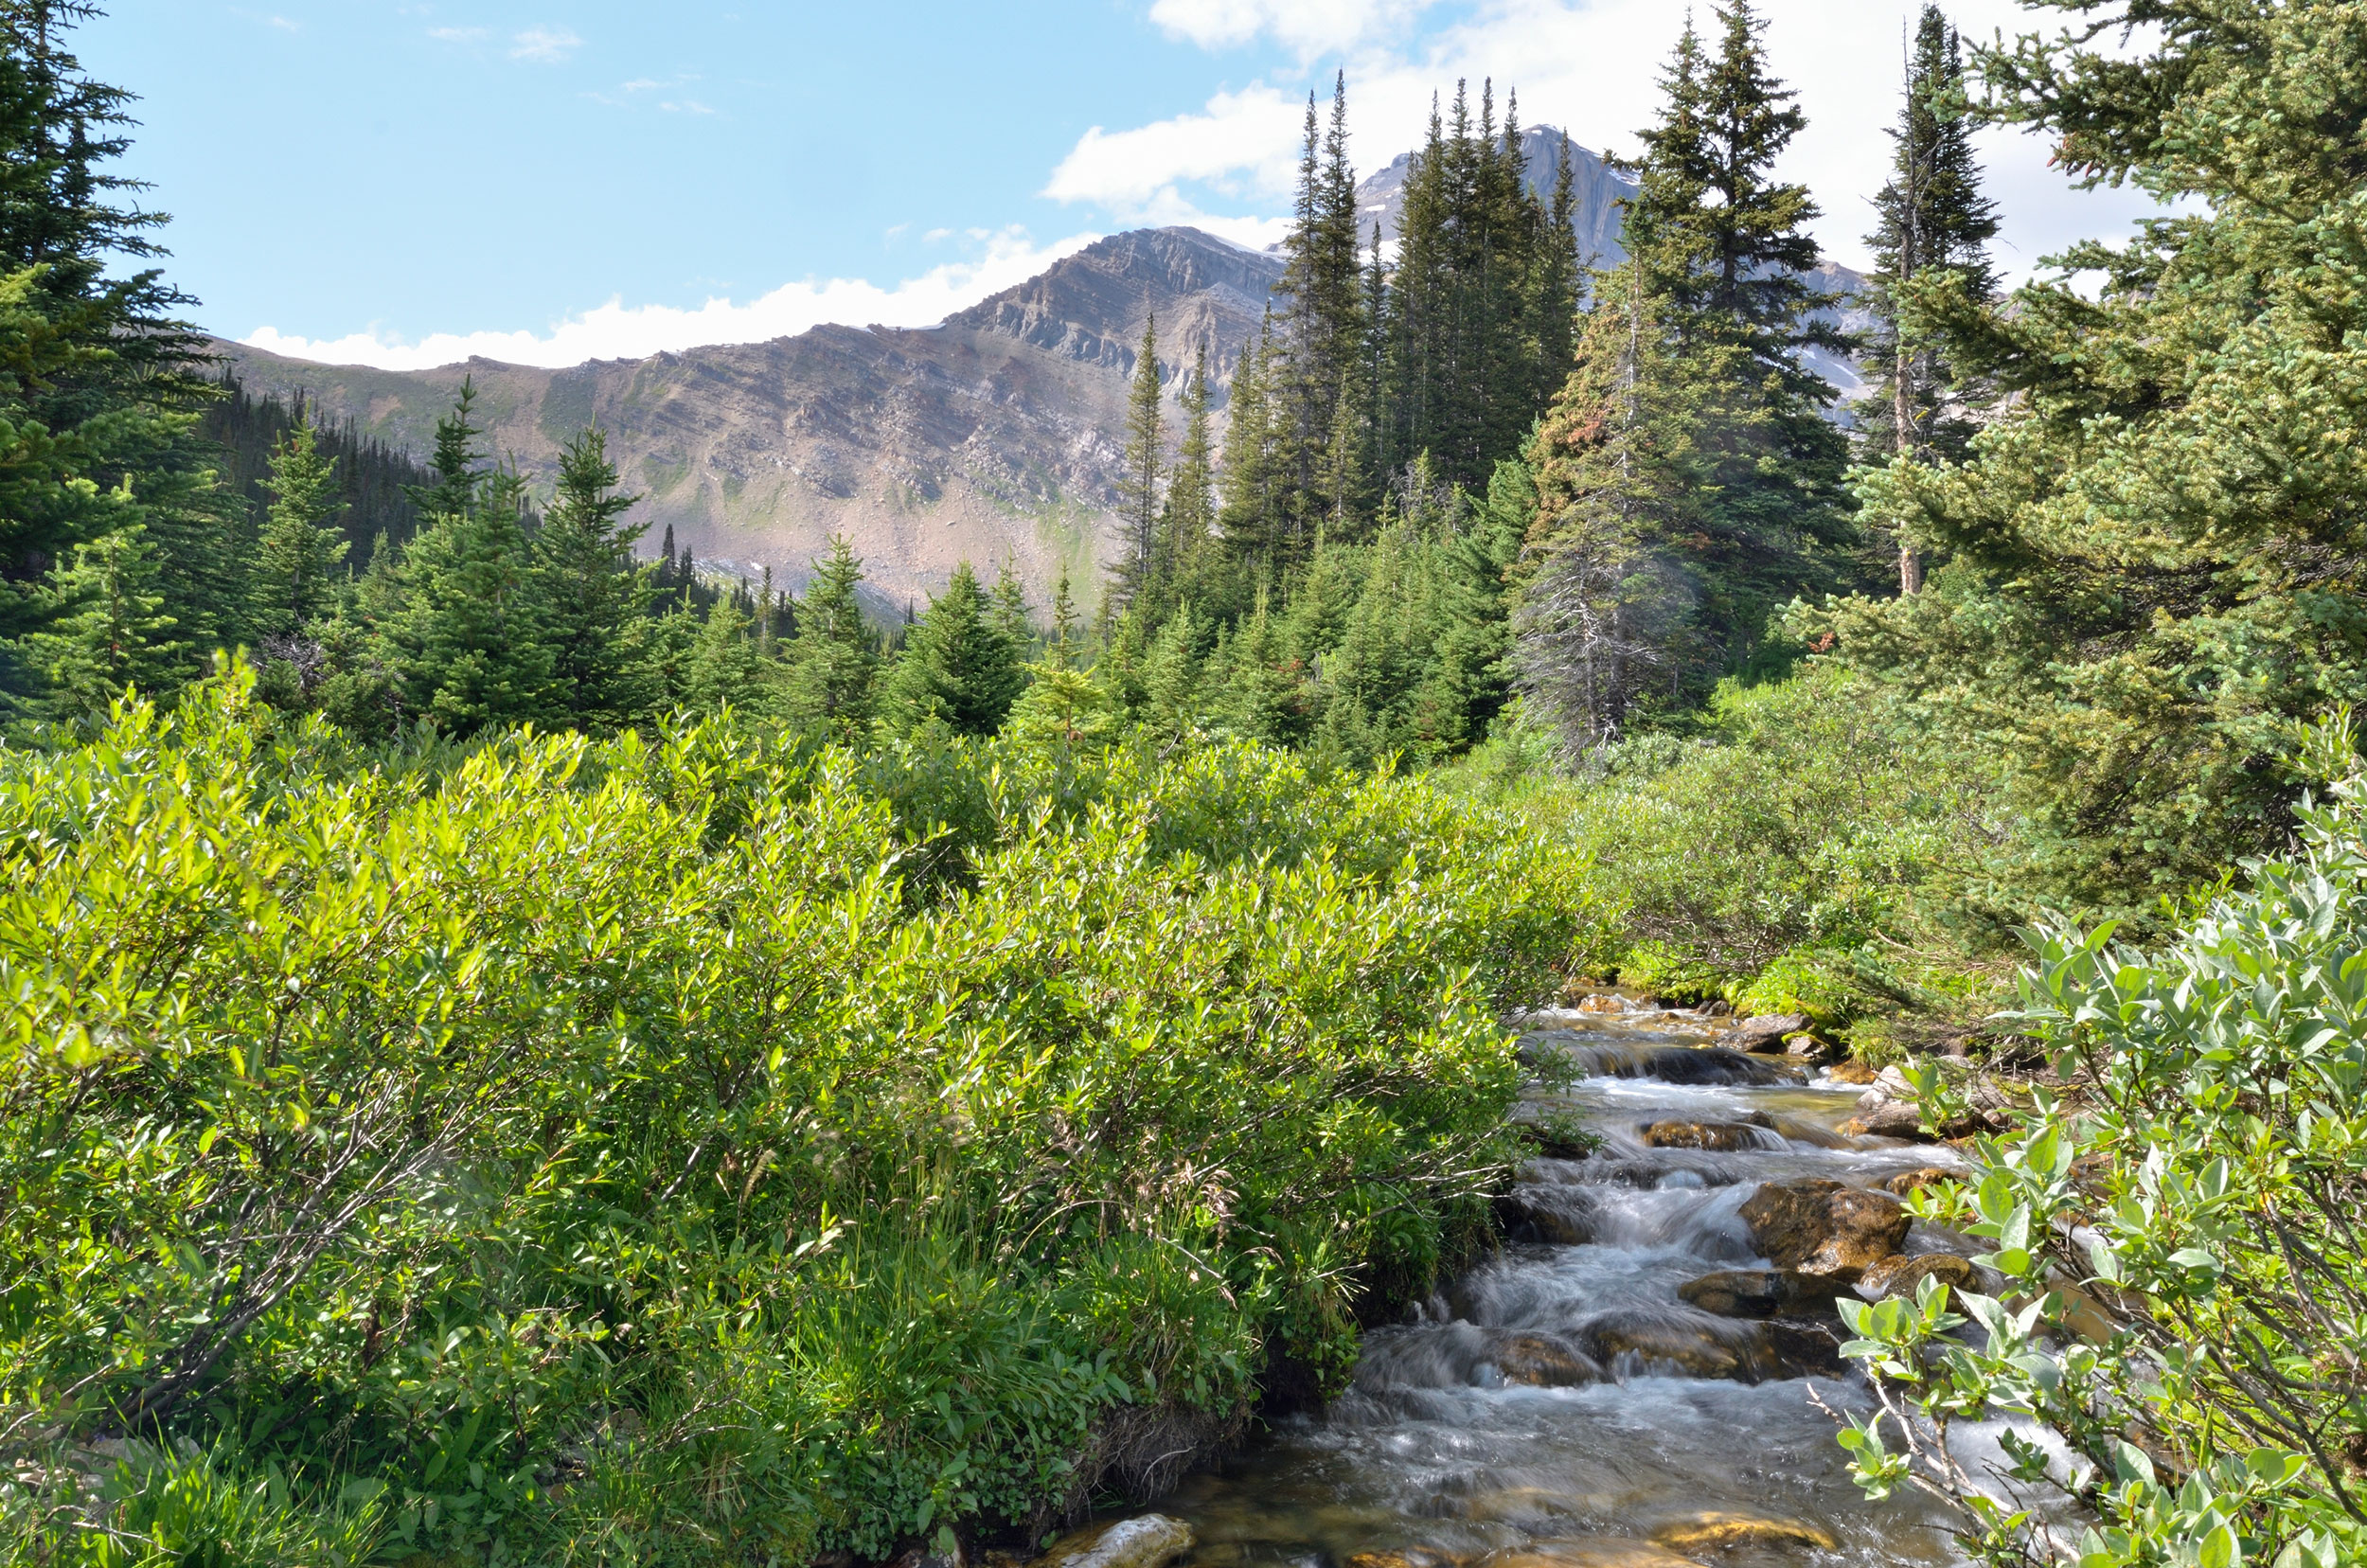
403, 182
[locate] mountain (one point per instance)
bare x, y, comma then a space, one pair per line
994, 434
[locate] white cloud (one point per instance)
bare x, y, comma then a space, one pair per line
456, 35
543, 46
1590, 67
1309, 27
617, 331
688, 106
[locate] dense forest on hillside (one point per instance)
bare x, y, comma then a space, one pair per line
518, 1052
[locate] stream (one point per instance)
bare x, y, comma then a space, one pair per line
1561, 1406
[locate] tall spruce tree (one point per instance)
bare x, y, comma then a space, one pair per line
1188, 521
2151, 564
1324, 335
835, 655
1932, 215
98, 384
295, 579
594, 597
469, 642
1718, 250
1138, 483
1253, 489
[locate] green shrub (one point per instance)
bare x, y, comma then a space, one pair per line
707, 1147
2186, 1283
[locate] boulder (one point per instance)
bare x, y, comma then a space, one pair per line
1711, 1065
1695, 1351
1525, 1218
1765, 1032
1888, 1119
1791, 1347
1916, 1180
1542, 1360
1810, 1048
1756, 1294
1723, 1532
1901, 1276
1147, 1541
1723, 1136
1586, 1552
1821, 1227
1405, 1556
1850, 1071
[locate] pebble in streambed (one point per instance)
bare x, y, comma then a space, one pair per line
1583, 1399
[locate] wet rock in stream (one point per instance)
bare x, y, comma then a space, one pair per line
1902, 1276
1720, 1136
1147, 1540
1757, 1293
1766, 1032
1586, 1552
1818, 1226
1724, 1532
1542, 1360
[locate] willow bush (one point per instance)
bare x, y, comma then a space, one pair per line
708, 1147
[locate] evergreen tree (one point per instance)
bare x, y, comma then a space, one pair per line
1011, 609
723, 668
1138, 487
1325, 335
594, 597
295, 579
1932, 215
96, 387
2151, 558
957, 668
469, 642
110, 632
1689, 480
1251, 514
1188, 521
835, 655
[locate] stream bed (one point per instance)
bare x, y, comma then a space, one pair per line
1561, 1406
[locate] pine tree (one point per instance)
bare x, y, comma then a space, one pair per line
295, 579
1065, 621
1138, 487
112, 632
594, 597
1717, 248
1932, 218
724, 667
957, 668
1012, 621
1187, 523
1324, 337
835, 653
469, 642
99, 385
1252, 514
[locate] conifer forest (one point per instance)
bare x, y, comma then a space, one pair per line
525, 1048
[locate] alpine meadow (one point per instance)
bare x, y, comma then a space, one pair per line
1537, 880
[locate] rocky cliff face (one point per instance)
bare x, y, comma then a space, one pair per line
992, 436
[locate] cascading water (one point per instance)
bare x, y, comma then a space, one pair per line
1561, 1406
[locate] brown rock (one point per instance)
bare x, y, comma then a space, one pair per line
1890, 1119
1586, 1552
1764, 1033
1540, 1360
1147, 1541
1602, 1003
1851, 1072
1901, 1276
1698, 1353
1406, 1556
1525, 1215
1723, 1532
1916, 1180
1756, 1292
1723, 1136
1795, 1348
1821, 1227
